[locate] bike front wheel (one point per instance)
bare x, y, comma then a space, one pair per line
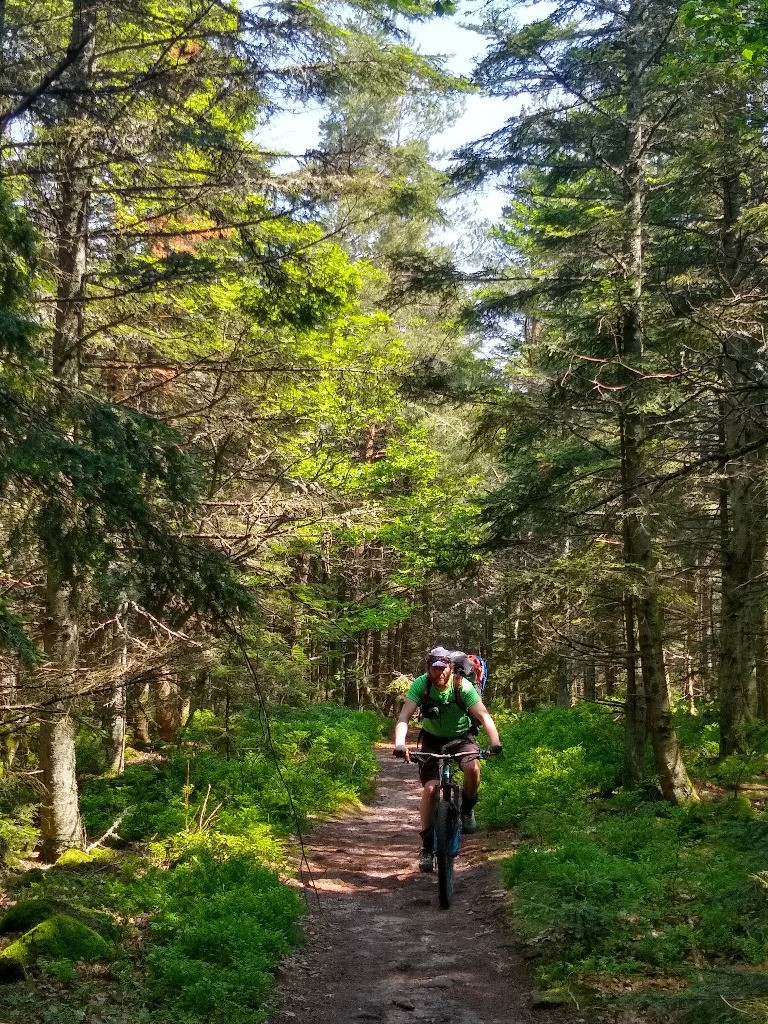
445, 838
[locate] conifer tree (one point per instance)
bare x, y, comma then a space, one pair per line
582, 220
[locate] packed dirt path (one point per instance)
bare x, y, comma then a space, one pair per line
378, 947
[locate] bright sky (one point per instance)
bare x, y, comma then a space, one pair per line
297, 132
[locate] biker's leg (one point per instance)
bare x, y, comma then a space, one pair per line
471, 772
427, 828
428, 776
427, 808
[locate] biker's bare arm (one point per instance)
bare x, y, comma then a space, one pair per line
407, 712
481, 713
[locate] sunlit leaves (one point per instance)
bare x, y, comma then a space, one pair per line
729, 29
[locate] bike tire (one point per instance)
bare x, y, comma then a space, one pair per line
445, 825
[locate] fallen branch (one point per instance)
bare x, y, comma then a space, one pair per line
110, 832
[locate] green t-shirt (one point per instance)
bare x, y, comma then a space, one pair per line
452, 720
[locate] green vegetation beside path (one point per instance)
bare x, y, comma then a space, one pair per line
618, 894
187, 916
186, 910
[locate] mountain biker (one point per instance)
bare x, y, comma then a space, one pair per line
445, 719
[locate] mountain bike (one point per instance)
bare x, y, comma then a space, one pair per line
446, 818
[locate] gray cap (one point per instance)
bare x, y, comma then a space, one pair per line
439, 657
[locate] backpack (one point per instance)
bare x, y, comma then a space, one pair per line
473, 667
480, 665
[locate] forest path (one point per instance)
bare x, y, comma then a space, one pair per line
378, 947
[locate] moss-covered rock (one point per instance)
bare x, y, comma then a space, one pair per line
60, 937
11, 970
28, 913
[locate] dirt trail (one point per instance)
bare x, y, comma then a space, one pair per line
379, 949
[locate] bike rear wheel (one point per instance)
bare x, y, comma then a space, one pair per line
445, 827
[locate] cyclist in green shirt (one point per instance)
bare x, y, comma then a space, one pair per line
453, 706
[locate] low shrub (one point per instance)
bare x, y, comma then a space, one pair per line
310, 762
553, 757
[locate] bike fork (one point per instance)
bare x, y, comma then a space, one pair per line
454, 804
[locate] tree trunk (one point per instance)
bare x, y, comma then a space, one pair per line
610, 679
706, 640
375, 670
168, 710
116, 706
11, 722
635, 714
60, 826
590, 681
743, 505
138, 714
351, 688
761, 668
564, 684
639, 551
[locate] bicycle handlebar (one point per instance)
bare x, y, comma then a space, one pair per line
422, 755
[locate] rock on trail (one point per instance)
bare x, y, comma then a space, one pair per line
379, 949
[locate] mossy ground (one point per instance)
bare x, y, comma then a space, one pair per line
27, 913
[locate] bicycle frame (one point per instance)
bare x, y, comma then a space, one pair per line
449, 791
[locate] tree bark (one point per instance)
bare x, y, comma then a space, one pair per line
138, 714
761, 668
168, 705
639, 550
11, 723
635, 712
60, 825
564, 684
351, 682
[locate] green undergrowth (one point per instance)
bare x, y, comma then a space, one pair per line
196, 883
313, 761
620, 895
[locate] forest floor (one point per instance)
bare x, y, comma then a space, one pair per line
378, 948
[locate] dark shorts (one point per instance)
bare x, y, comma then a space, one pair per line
434, 745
